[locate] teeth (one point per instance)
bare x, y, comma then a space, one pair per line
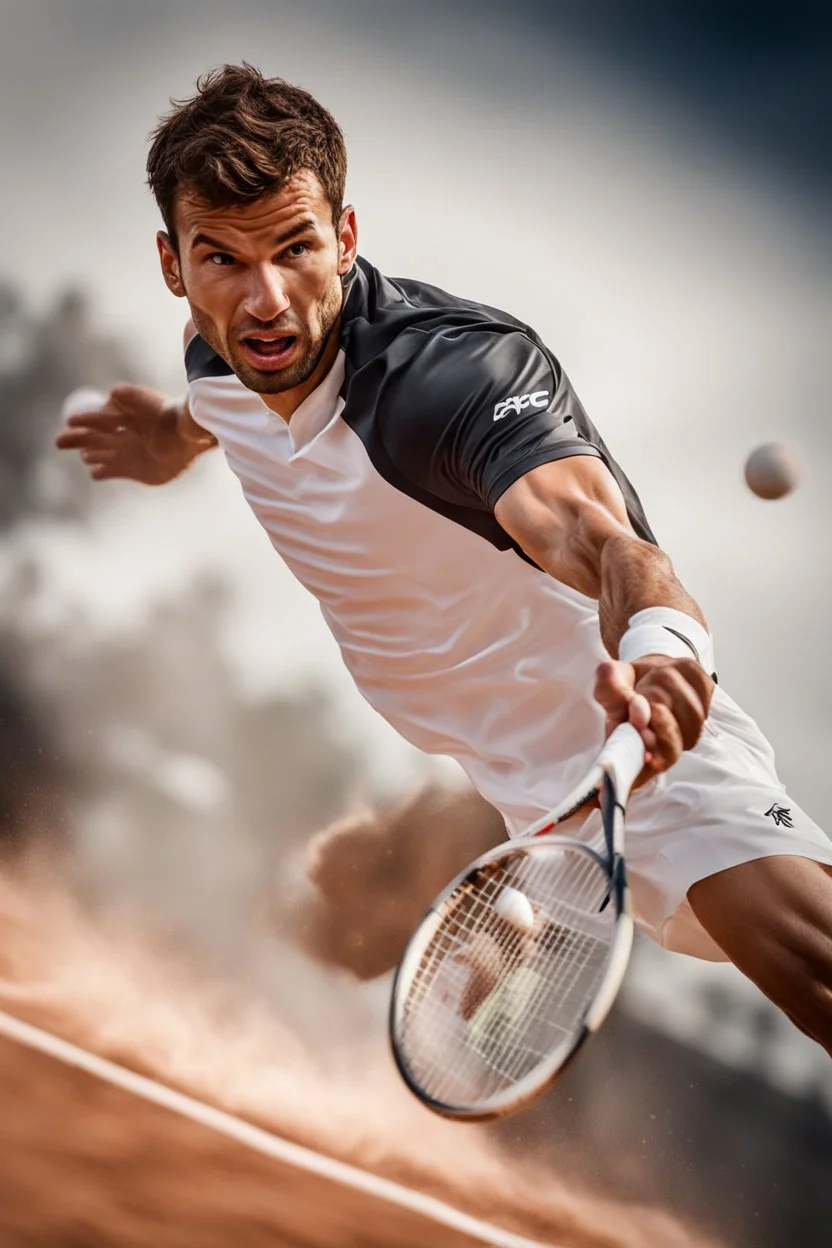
269, 346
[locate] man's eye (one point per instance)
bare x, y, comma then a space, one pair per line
220, 258
297, 249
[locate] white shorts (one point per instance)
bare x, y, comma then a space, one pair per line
720, 805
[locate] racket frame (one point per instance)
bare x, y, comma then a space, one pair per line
610, 782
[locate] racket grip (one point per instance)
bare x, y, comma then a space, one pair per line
623, 758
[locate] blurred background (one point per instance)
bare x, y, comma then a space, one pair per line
649, 186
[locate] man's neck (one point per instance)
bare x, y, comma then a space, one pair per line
286, 403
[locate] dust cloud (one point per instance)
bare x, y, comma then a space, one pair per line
372, 875
115, 988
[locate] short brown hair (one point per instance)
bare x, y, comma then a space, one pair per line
242, 136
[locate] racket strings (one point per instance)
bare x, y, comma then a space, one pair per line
490, 1001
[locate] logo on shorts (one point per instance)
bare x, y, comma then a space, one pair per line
519, 402
782, 815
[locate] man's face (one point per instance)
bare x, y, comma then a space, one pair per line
263, 280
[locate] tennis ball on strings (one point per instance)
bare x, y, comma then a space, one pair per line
772, 471
84, 399
515, 908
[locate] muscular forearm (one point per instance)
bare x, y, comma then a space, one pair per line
648, 619
632, 576
591, 547
570, 517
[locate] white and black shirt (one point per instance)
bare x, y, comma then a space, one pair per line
379, 496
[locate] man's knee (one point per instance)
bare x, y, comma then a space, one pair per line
773, 919
799, 980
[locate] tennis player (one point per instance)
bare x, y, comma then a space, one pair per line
424, 467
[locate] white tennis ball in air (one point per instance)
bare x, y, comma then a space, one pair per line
84, 399
515, 908
772, 471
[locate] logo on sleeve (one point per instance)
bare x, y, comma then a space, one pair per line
519, 402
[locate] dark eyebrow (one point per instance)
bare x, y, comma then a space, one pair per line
302, 227
204, 240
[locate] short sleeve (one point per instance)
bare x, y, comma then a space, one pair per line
479, 409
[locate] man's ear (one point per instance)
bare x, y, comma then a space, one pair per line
169, 260
347, 240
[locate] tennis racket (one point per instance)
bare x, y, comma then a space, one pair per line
520, 958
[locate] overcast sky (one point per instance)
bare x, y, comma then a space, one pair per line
674, 261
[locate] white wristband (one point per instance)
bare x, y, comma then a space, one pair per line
662, 630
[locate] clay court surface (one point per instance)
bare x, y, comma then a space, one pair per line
84, 1164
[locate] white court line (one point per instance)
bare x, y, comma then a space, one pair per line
263, 1141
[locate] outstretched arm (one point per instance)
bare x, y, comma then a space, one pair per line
138, 434
490, 420
569, 516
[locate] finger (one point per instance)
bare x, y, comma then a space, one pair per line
72, 441
139, 400
98, 456
648, 772
78, 439
699, 680
668, 739
614, 685
671, 689
638, 711
648, 736
106, 418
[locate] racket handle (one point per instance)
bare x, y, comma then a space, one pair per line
622, 758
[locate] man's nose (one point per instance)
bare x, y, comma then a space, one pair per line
266, 298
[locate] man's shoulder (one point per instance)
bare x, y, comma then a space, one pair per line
459, 370
373, 294
410, 345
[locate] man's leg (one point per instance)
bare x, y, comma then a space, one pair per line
773, 918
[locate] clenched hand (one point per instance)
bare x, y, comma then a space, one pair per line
666, 699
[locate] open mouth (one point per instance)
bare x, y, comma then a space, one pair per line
273, 351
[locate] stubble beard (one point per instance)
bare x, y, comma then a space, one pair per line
283, 379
